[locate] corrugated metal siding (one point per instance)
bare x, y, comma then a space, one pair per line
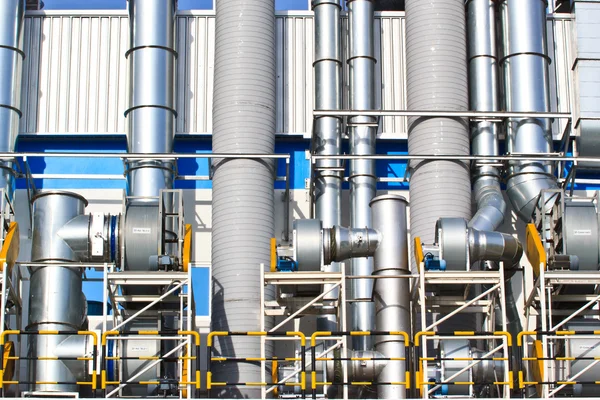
75, 78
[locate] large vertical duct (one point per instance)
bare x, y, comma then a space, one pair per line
151, 113
363, 131
56, 300
328, 135
483, 77
11, 63
242, 206
392, 301
437, 80
526, 86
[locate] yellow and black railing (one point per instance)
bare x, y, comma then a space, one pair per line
185, 382
538, 358
315, 383
422, 381
92, 383
210, 359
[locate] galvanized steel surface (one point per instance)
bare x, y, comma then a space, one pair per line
11, 65
244, 118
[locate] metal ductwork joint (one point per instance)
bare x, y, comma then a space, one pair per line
327, 137
12, 13
387, 243
363, 133
526, 86
244, 121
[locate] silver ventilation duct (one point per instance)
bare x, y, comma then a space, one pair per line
242, 211
151, 113
328, 130
363, 179
437, 80
526, 85
56, 300
11, 65
392, 300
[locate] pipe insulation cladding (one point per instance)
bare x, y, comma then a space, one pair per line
12, 13
524, 65
437, 80
362, 178
327, 138
151, 113
243, 194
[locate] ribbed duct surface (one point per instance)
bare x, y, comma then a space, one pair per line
242, 212
11, 64
437, 80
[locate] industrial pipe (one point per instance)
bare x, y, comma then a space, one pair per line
327, 137
392, 300
12, 13
242, 211
362, 178
526, 86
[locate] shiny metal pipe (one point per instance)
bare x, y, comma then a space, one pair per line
363, 182
11, 65
327, 137
392, 301
483, 86
56, 299
151, 113
524, 66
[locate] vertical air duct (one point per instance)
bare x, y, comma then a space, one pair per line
11, 65
56, 300
392, 302
327, 136
242, 207
363, 131
437, 80
483, 77
151, 113
526, 85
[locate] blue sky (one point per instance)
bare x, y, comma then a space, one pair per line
183, 4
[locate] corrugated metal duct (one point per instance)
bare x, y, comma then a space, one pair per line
437, 80
242, 210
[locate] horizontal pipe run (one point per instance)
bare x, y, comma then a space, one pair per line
452, 114
520, 157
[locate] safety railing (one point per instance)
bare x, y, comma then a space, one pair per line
93, 379
428, 386
315, 383
210, 359
537, 363
183, 383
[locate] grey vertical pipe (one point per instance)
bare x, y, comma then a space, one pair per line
242, 211
328, 130
363, 131
437, 80
392, 301
151, 113
11, 65
483, 85
526, 86
56, 300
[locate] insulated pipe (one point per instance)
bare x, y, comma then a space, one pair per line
328, 130
363, 131
437, 80
151, 113
242, 212
483, 85
11, 64
392, 301
526, 86
56, 300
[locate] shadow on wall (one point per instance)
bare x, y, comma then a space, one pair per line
389, 5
